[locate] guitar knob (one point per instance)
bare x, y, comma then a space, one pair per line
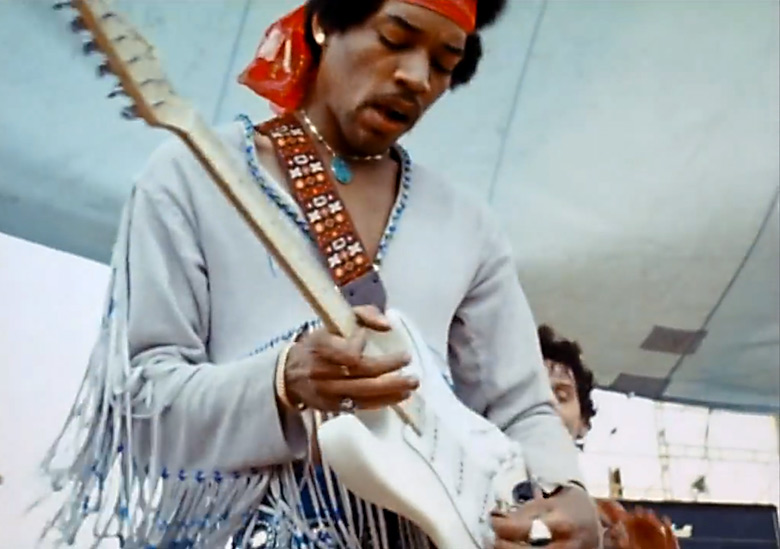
129, 113
523, 492
116, 92
89, 47
104, 69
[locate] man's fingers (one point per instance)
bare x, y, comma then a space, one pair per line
516, 525
334, 354
512, 527
375, 366
560, 525
367, 388
503, 544
368, 367
372, 318
339, 351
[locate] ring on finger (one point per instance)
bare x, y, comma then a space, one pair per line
344, 369
540, 534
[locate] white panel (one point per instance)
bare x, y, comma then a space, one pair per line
52, 304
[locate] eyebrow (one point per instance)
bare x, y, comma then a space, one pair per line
408, 26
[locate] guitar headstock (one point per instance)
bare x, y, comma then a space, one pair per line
134, 62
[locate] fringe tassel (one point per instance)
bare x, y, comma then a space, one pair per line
92, 459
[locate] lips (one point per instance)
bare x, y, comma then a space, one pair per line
382, 122
395, 113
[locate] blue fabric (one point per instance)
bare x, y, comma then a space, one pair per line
332, 510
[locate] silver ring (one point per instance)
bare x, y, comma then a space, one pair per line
345, 370
540, 534
347, 405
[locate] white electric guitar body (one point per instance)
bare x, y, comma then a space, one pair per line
445, 472
430, 459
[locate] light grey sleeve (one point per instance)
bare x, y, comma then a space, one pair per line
212, 416
497, 366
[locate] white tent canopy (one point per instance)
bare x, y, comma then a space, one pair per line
629, 148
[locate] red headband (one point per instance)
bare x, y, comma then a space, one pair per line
461, 12
281, 71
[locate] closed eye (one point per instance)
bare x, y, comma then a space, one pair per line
396, 45
390, 44
442, 69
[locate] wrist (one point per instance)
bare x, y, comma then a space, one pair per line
287, 398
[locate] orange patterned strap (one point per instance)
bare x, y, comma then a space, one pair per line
330, 225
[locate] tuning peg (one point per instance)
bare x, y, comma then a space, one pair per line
129, 113
61, 5
90, 47
116, 92
77, 24
104, 69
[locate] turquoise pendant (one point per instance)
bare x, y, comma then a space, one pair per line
341, 170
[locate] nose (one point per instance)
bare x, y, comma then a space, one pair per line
414, 72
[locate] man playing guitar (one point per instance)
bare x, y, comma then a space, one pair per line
224, 356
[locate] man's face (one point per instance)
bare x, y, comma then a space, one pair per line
564, 388
377, 79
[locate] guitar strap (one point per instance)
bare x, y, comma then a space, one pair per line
330, 225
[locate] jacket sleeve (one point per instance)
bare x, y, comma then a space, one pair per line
211, 415
497, 366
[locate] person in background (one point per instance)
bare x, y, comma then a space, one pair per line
572, 383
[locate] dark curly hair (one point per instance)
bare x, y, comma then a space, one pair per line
569, 353
341, 15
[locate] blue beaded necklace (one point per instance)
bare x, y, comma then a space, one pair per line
338, 164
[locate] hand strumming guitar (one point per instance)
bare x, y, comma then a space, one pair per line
328, 372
